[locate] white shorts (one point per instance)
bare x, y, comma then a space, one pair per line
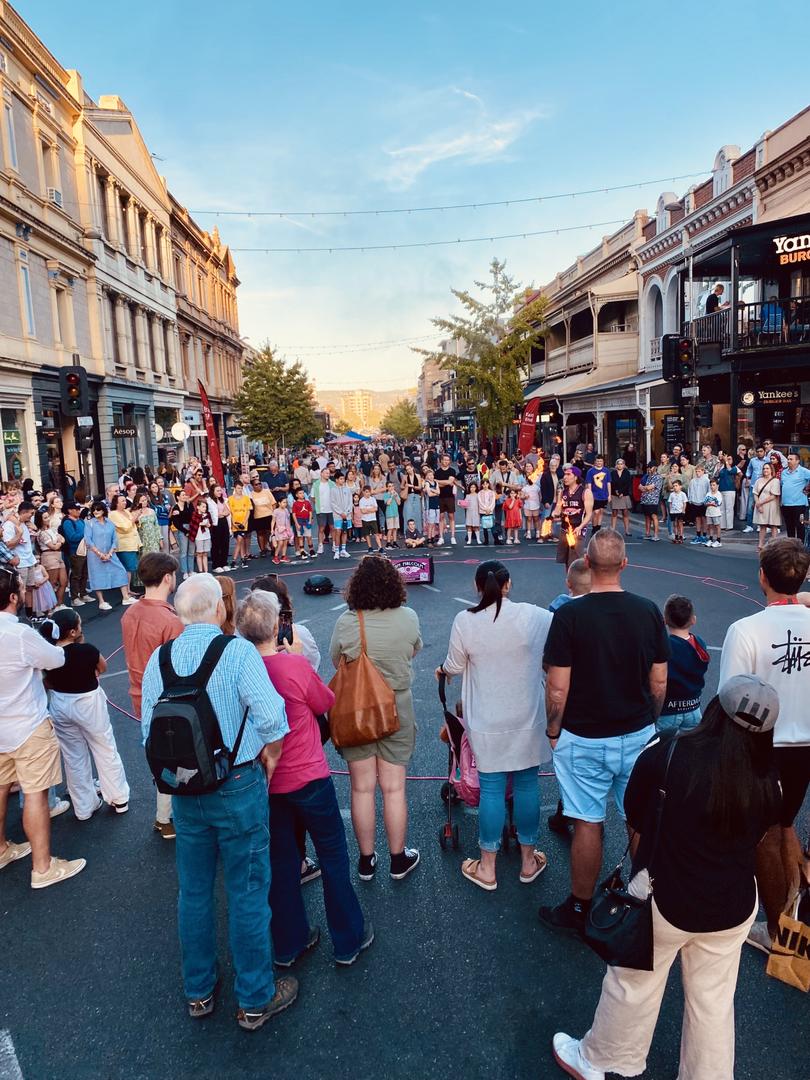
432, 517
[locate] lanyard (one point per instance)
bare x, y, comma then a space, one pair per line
783, 603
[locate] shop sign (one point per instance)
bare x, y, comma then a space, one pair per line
773, 395
792, 249
11, 437
191, 418
120, 432
233, 433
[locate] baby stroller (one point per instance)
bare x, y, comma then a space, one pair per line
462, 778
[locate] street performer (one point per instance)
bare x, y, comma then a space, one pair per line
574, 510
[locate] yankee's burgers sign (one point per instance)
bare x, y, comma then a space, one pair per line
792, 249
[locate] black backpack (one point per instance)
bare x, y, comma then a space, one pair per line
184, 748
318, 585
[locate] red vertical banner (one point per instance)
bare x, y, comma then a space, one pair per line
211, 432
528, 422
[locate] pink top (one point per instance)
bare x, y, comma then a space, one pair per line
302, 758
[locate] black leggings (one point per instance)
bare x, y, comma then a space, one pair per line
792, 516
220, 542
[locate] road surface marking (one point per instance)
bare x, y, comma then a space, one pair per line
337, 607
9, 1065
110, 675
715, 648
430, 588
463, 600
303, 622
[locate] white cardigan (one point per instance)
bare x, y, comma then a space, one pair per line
503, 685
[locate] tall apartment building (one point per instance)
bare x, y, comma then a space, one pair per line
358, 407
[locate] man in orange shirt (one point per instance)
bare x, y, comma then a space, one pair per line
145, 627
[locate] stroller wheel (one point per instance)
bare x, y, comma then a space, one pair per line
455, 838
445, 791
448, 834
505, 837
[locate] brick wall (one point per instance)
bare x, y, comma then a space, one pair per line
745, 165
704, 194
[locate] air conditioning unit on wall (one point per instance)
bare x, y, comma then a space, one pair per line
55, 196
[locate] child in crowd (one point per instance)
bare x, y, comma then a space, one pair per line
199, 533
412, 536
714, 514
472, 514
368, 515
280, 532
431, 494
240, 505
530, 495
486, 507
696, 493
391, 503
513, 517
302, 515
686, 672
578, 580
341, 516
357, 519
78, 708
500, 499
677, 510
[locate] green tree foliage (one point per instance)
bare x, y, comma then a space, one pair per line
402, 421
340, 427
497, 331
276, 404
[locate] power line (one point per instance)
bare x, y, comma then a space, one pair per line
356, 346
428, 243
451, 206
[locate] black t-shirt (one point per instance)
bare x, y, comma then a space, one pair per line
621, 483
703, 882
78, 676
712, 303
609, 640
470, 476
447, 491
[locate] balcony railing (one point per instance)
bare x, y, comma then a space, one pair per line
776, 322
655, 348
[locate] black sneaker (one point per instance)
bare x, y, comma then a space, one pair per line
558, 822
402, 864
311, 871
285, 995
367, 867
569, 917
312, 941
368, 938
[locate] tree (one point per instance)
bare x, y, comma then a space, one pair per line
340, 427
402, 420
276, 404
497, 333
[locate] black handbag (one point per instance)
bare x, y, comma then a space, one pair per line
619, 926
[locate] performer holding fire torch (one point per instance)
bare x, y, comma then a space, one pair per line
574, 509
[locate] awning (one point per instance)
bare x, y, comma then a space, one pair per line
581, 391
623, 288
556, 387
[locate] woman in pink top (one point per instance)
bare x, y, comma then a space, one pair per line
302, 793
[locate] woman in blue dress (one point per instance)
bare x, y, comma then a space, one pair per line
104, 568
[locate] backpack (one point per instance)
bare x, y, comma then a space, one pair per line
184, 748
318, 585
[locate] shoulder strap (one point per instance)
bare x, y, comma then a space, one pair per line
210, 659
659, 810
360, 623
167, 672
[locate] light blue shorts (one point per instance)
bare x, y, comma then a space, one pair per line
588, 770
682, 721
341, 523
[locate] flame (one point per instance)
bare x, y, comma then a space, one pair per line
545, 529
570, 535
538, 472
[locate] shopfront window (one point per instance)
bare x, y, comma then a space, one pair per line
15, 451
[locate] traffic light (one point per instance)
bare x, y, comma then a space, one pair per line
83, 437
74, 395
686, 358
669, 356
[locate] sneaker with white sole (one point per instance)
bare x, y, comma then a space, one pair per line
366, 943
320, 549
59, 807
104, 606
13, 852
344, 554
568, 1055
404, 863
120, 807
453, 541
129, 600
748, 528
59, 870
759, 937
95, 810
79, 603
336, 555
440, 542
88, 598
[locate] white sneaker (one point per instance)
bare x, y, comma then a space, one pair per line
129, 600
510, 541
440, 542
218, 570
748, 528
717, 543
59, 807
336, 555
453, 541
568, 1055
88, 598
344, 554
225, 569
320, 549
59, 870
759, 937
104, 606
79, 603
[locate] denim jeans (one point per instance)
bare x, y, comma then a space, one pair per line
492, 808
185, 552
315, 807
683, 721
232, 824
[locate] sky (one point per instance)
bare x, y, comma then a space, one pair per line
256, 105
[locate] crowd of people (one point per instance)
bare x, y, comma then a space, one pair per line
620, 718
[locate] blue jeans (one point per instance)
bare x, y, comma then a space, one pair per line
185, 552
492, 808
232, 824
315, 807
683, 721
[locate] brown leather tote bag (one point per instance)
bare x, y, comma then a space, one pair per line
365, 708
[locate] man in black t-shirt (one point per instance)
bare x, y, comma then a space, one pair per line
447, 479
606, 662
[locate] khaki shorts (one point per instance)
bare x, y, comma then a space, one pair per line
36, 765
26, 576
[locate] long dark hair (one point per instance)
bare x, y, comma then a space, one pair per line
59, 624
741, 788
490, 578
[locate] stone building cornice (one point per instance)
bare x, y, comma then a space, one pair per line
775, 173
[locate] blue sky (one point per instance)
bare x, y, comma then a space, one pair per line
262, 105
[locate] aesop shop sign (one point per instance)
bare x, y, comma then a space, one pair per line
775, 395
792, 249
120, 432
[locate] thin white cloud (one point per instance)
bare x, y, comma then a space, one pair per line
485, 139
469, 95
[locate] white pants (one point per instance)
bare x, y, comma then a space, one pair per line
163, 812
627, 1013
82, 726
728, 497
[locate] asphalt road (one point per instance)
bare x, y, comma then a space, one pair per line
458, 982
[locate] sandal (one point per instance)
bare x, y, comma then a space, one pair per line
541, 862
470, 868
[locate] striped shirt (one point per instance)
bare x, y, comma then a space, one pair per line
239, 681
